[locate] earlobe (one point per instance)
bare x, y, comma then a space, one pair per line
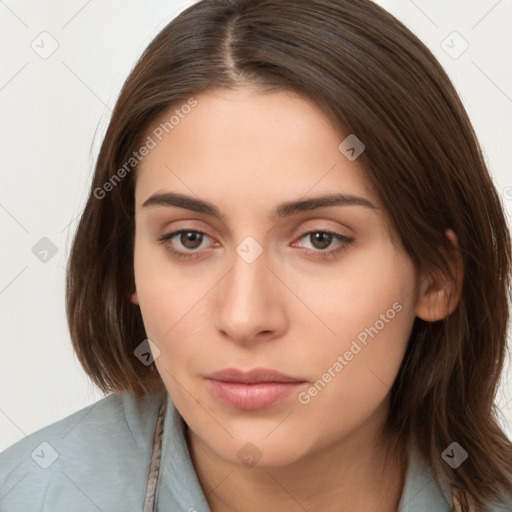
440, 295
134, 298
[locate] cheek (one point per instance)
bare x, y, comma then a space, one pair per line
354, 294
167, 292
174, 305
367, 312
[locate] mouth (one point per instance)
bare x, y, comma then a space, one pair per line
254, 389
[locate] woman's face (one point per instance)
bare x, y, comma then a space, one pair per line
320, 295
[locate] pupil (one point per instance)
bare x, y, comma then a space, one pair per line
323, 238
190, 239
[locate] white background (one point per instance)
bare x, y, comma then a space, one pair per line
54, 112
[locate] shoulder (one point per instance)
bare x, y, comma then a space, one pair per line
423, 493
504, 505
95, 457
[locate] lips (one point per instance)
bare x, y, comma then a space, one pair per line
254, 389
255, 376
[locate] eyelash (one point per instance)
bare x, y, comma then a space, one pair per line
322, 254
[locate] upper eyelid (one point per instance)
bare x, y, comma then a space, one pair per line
306, 229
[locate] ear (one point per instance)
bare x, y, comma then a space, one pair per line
134, 297
439, 295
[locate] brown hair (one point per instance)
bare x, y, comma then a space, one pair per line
374, 78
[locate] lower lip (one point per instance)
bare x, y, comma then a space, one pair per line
252, 396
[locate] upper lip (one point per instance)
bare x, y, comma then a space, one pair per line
254, 376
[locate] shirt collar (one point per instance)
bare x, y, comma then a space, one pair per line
421, 492
178, 483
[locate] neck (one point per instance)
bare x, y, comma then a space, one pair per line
355, 475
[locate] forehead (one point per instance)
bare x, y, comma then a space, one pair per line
245, 143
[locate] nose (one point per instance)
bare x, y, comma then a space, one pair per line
250, 302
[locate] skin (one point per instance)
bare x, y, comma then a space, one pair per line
247, 152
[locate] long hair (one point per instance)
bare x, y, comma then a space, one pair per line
372, 77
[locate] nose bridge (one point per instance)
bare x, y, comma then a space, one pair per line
247, 299
246, 281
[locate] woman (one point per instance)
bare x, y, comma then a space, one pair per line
292, 274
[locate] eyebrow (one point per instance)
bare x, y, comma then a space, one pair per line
282, 210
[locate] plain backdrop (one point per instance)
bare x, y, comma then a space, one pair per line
62, 67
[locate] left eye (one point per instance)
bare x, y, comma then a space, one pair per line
321, 240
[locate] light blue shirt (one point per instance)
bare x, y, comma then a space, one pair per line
97, 459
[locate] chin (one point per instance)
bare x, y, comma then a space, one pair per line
259, 452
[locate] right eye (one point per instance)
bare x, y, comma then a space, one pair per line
190, 239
